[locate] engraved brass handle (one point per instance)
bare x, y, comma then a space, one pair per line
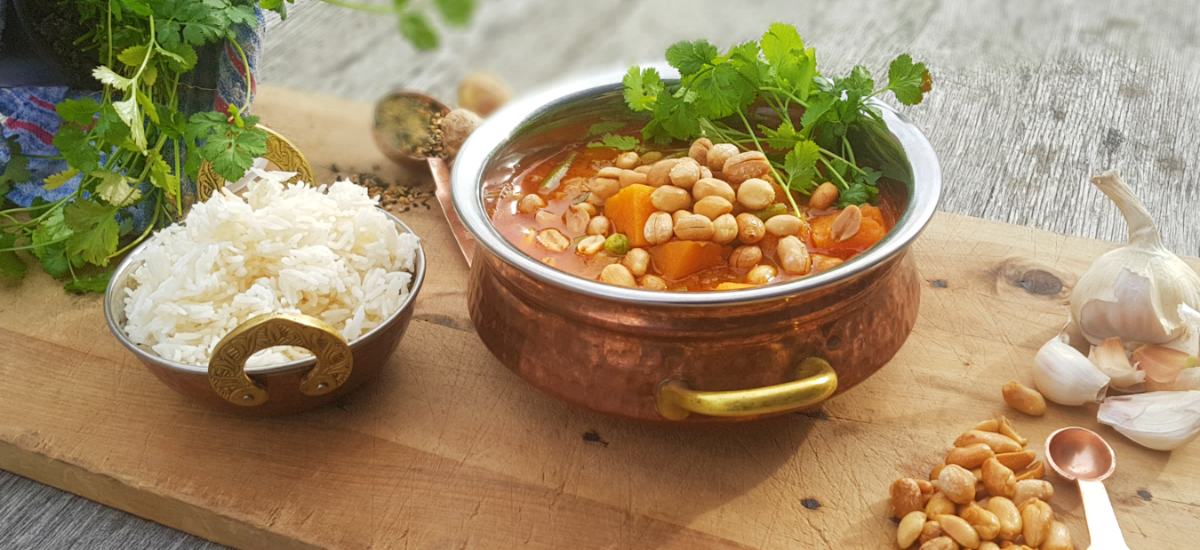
226, 369
286, 156
815, 382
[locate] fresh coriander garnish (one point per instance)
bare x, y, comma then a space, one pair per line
717, 97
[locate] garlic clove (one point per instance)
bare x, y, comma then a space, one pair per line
1161, 365
1189, 342
1162, 421
1189, 379
1134, 292
1109, 356
1065, 376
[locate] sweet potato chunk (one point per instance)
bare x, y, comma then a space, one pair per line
870, 232
628, 211
678, 259
734, 286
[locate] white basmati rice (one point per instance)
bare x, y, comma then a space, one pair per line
321, 251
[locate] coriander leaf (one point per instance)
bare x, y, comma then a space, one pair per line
622, 143
180, 57
908, 81
162, 177
150, 75
723, 91
783, 139
90, 283
416, 28
231, 149
857, 194
800, 164
128, 112
94, 231
868, 176
172, 123
744, 58
58, 180
110, 127
133, 56
115, 188
642, 88
859, 81
11, 265
16, 170
109, 78
604, 128
74, 146
690, 57
779, 42
455, 12
815, 112
49, 245
80, 111
678, 115
137, 6
147, 107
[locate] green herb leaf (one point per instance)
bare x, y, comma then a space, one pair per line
908, 81
679, 116
859, 81
857, 194
109, 127
231, 149
180, 57
16, 170
691, 57
115, 188
94, 231
622, 143
75, 147
724, 91
642, 88
815, 112
148, 107
80, 111
58, 180
49, 243
416, 28
133, 56
801, 166
109, 78
455, 12
11, 265
162, 177
782, 139
91, 283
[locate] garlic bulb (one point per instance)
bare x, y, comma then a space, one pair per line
1189, 379
1109, 356
1134, 292
1189, 342
1161, 364
1065, 376
1164, 420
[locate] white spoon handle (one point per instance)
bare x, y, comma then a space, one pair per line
1102, 522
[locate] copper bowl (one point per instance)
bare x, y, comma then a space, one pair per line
336, 369
692, 356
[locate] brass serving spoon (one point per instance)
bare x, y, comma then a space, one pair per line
1082, 455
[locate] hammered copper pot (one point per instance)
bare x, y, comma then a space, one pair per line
686, 356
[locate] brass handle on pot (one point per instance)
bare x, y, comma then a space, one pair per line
815, 382
226, 369
286, 156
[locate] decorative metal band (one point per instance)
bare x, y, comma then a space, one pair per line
226, 369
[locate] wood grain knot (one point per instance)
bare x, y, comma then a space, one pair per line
1040, 282
1016, 277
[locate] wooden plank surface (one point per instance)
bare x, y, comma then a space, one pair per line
449, 450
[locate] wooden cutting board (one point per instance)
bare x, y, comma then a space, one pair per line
450, 450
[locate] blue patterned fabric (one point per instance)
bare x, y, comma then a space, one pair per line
29, 115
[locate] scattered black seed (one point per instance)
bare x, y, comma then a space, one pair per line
592, 436
812, 504
939, 283
1144, 494
818, 415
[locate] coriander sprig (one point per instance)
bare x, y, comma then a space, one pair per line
722, 97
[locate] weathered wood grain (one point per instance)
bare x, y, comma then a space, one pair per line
1031, 98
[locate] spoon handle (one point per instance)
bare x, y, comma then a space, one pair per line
1102, 522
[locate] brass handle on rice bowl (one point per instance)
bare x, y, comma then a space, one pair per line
226, 369
816, 381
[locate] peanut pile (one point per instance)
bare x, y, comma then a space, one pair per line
988, 494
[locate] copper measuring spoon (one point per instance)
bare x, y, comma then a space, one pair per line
1082, 455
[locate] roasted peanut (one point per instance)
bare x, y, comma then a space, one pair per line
846, 224
1017, 461
939, 543
1024, 399
823, 196
679, 215
659, 228
906, 496
987, 425
1036, 518
927, 490
998, 479
999, 443
957, 483
971, 456
596, 200
637, 260
793, 256
598, 225
574, 187
627, 160
1006, 428
553, 240
545, 218
933, 474
744, 166
685, 173
984, 522
530, 204
784, 225
1059, 538
611, 172
1008, 516
651, 282
590, 245
711, 187
959, 530
705, 172
718, 154
938, 504
644, 169
910, 528
631, 177
750, 228
617, 274
660, 175
669, 198
577, 217
725, 229
699, 150
988, 545
755, 194
713, 207
694, 228
761, 274
1028, 489
651, 157
605, 187
1035, 471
